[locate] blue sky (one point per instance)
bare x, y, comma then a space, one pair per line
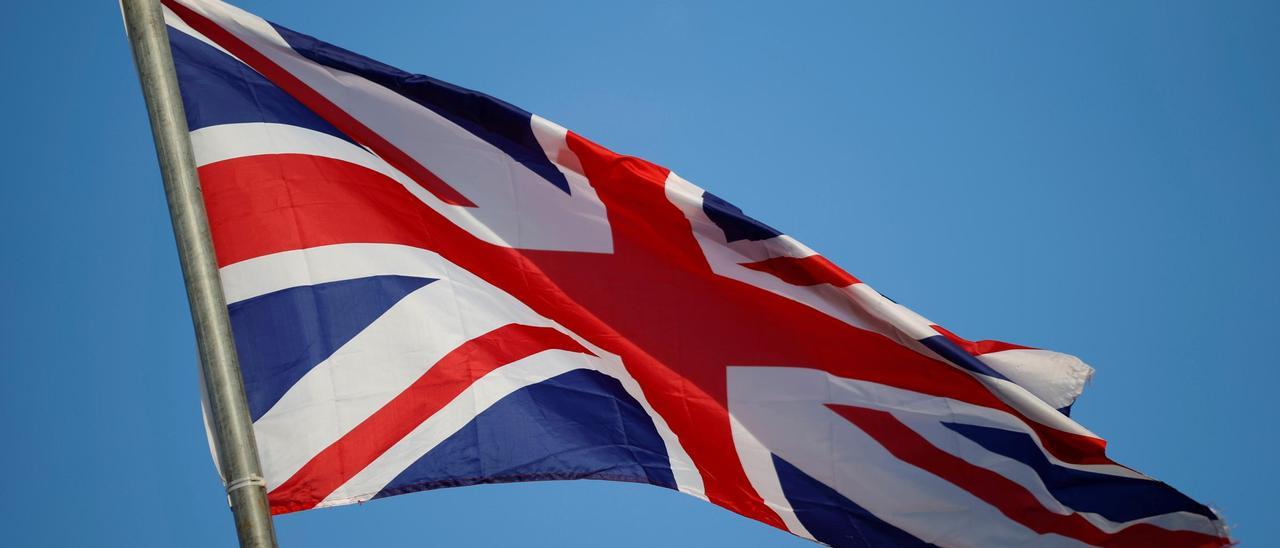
1094, 177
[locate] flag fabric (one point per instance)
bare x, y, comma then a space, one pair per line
430, 287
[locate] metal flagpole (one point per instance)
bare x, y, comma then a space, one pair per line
232, 426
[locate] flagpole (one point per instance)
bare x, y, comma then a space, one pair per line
231, 423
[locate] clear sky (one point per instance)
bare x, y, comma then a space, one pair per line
1099, 178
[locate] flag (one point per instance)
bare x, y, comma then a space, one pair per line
430, 287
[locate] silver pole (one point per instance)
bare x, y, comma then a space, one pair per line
232, 426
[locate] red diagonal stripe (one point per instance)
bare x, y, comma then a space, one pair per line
804, 271
321, 105
345, 458
978, 348
1007, 496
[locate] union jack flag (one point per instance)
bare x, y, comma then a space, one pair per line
430, 287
